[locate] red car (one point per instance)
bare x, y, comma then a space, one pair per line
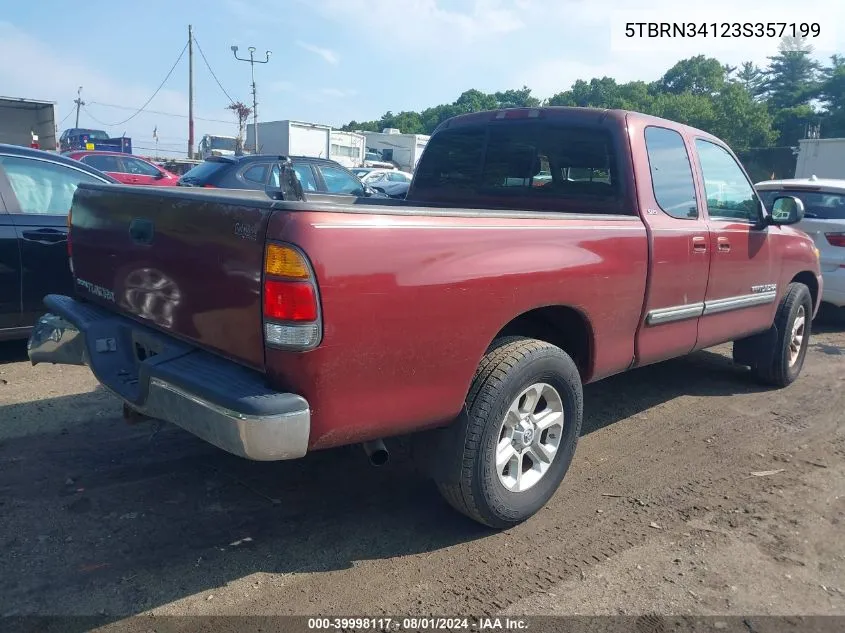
130, 170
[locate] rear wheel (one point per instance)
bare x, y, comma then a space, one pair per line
517, 438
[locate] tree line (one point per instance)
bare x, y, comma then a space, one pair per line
747, 106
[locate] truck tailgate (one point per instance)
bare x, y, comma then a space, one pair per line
185, 262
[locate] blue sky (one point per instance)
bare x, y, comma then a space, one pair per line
336, 60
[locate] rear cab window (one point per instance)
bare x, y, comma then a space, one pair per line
549, 165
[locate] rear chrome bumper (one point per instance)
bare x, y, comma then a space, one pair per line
217, 400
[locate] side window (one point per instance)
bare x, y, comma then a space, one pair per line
103, 163
306, 177
139, 167
671, 173
729, 194
42, 187
340, 182
256, 174
397, 177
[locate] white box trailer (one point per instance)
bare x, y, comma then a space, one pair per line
348, 148
290, 138
822, 157
403, 150
28, 121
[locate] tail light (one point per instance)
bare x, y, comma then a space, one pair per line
292, 318
835, 239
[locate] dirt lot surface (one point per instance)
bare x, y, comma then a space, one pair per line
693, 491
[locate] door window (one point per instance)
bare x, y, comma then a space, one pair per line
396, 177
103, 163
671, 173
42, 187
729, 194
340, 182
139, 167
256, 174
306, 177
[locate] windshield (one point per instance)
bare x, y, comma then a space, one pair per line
94, 135
218, 142
817, 204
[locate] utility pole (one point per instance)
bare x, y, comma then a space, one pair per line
252, 62
79, 102
190, 92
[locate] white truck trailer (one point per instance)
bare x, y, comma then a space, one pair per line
348, 148
821, 157
403, 150
28, 122
290, 138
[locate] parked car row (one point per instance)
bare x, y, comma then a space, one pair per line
36, 189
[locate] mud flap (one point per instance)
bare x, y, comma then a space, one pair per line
756, 350
437, 451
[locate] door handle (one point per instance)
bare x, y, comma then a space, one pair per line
45, 236
724, 245
699, 244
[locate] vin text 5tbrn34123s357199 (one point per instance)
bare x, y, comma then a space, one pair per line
537, 250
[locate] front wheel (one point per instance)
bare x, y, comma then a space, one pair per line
793, 323
518, 435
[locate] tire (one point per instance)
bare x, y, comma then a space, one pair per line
468, 476
782, 365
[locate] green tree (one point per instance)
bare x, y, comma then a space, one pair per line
752, 78
792, 76
698, 75
832, 95
741, 121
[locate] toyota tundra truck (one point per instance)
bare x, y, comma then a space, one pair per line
538, 250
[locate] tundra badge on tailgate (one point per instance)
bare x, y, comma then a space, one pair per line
94, 289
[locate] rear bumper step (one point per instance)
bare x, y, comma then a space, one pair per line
158, 376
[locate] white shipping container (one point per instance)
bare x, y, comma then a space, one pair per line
822, 157
402, 149
24, 121
348, 148
290, 138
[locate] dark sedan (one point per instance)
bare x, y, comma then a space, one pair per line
317, 175
36, 189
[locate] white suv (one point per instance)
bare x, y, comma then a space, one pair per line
824, 221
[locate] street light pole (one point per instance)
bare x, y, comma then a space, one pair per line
252, 62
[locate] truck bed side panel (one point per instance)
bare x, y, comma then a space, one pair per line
401, 343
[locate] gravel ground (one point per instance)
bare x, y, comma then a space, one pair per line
693, 491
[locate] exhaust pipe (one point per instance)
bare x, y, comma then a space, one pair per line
376, 452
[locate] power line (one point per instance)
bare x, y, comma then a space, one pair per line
207, 65
66, 116
160, 86
173, 114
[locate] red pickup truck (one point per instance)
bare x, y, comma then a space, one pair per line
538, 250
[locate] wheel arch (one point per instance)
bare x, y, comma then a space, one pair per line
809, 279
563, 326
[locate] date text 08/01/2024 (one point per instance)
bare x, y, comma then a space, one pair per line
417, 624
722, 29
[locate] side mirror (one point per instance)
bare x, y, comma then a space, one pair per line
786, 210
159, 175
